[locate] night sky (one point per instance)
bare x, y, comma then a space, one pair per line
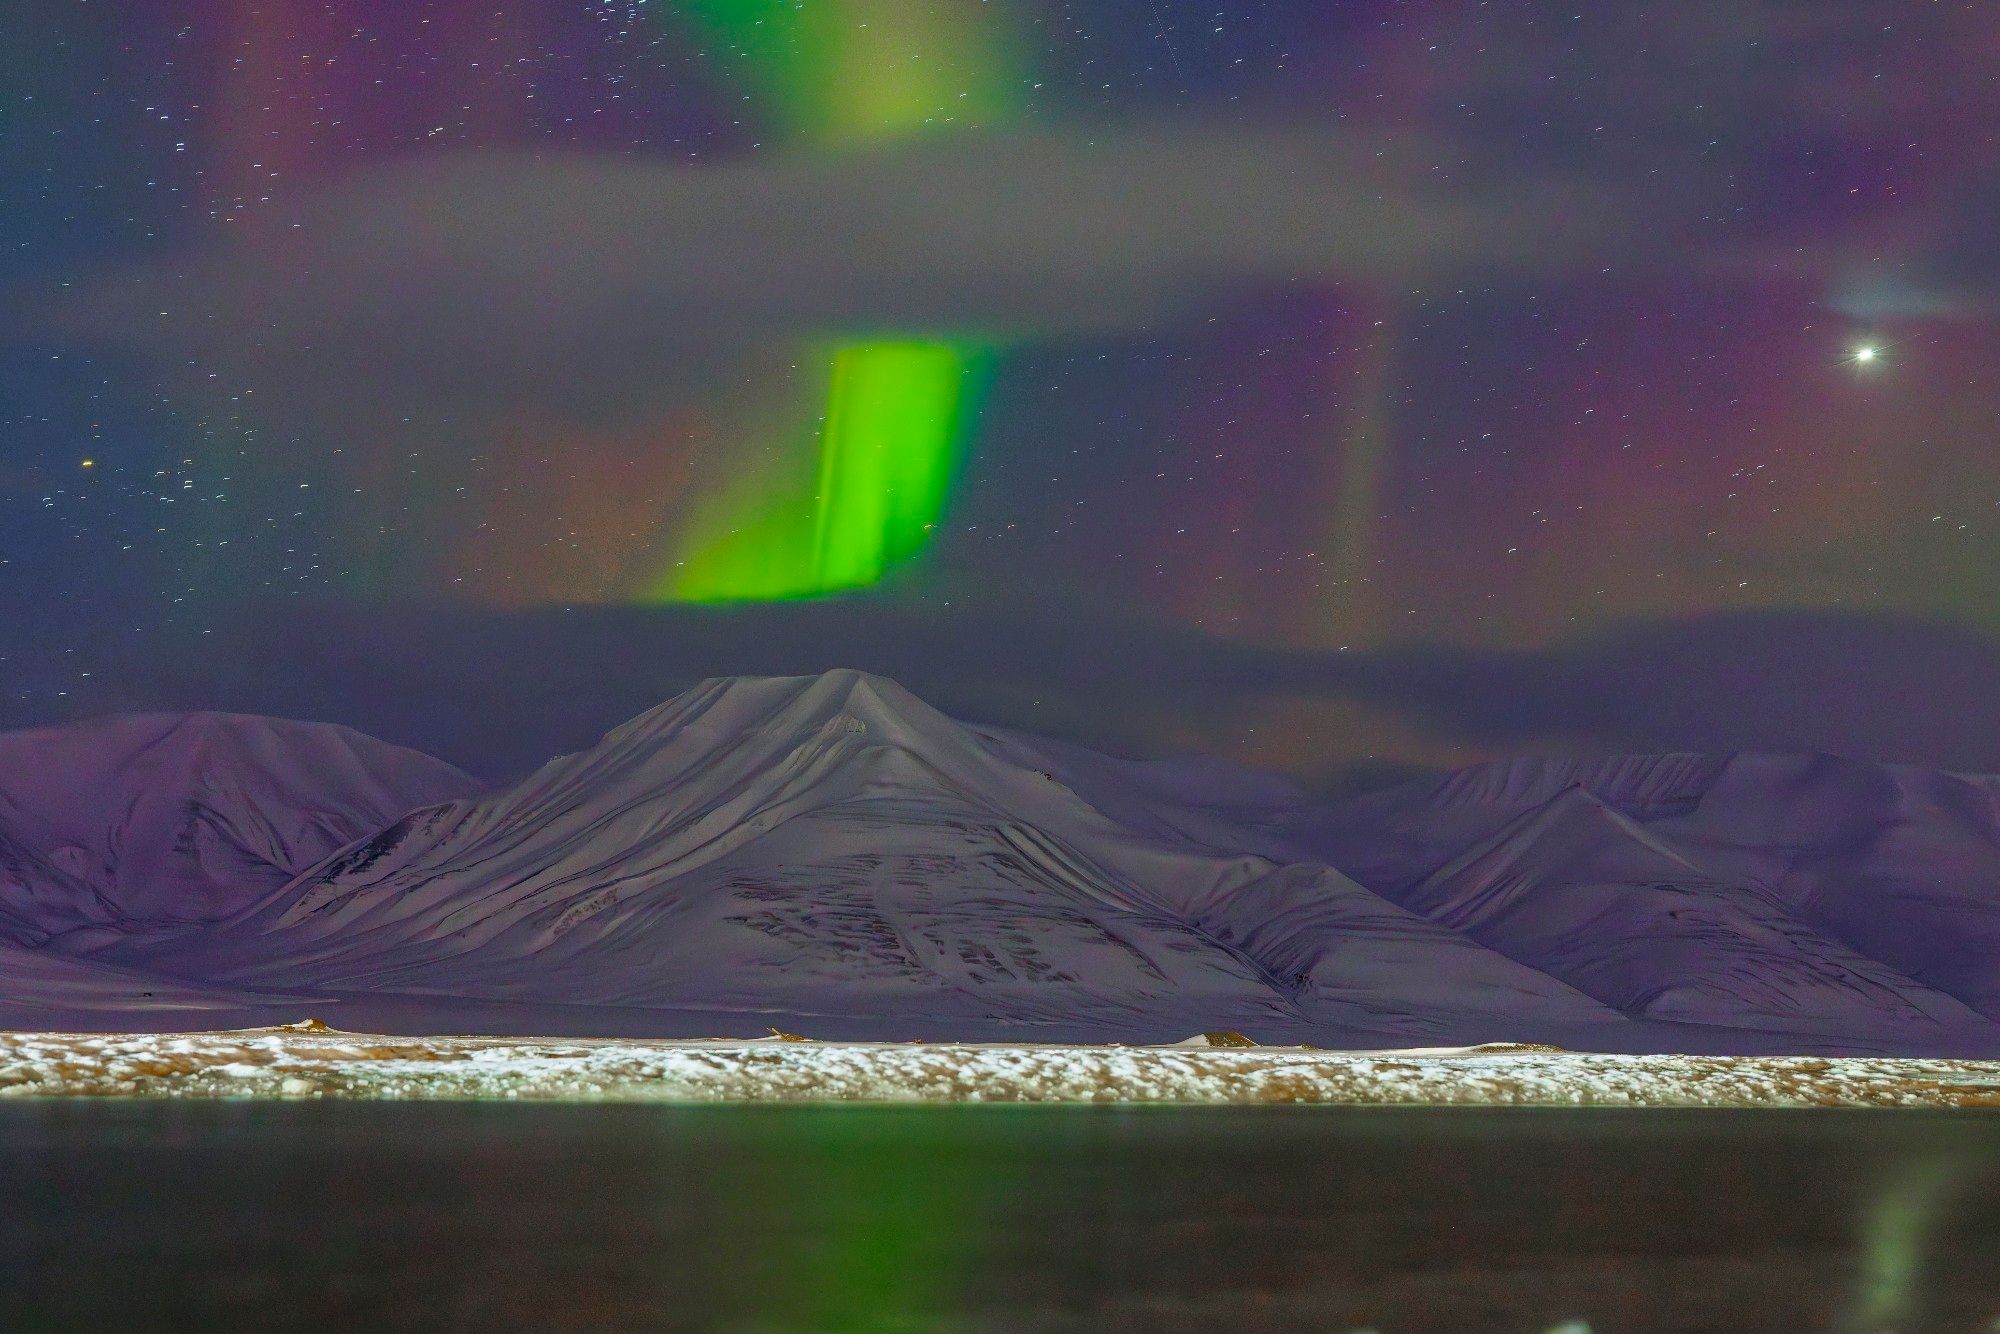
1347, 388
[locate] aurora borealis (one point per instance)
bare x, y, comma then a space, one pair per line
1344, 389
888, 445
847, 72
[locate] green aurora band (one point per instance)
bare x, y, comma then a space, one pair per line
888, 451
844, 73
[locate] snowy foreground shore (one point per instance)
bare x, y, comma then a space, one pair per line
308, 1062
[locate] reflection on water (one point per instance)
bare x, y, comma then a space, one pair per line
1896, 1229
477, 1216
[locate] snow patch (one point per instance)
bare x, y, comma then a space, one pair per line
295, 1063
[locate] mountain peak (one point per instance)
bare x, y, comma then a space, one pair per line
801, 702
178, 815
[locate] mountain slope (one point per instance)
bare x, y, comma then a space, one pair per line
1583, 893
833, 845
38, 981
1900, 865
181, 817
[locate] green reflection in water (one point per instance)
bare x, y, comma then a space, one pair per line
865, 1219
1896, 1233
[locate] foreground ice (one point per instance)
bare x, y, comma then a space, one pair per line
311, 1062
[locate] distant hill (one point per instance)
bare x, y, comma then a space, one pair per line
187, 816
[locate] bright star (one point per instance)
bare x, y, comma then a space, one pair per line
1865, 354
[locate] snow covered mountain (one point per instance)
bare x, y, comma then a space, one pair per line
1586, 894
179, 817
1896, 864
831, 851
831, 845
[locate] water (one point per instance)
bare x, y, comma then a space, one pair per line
479, 1216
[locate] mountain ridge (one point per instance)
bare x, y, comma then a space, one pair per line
831, 845
172, 815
